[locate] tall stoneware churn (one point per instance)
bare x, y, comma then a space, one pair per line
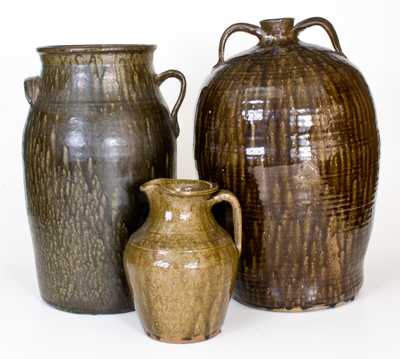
97, 129
290, 128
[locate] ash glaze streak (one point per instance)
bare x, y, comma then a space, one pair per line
180, 264
97, 129
290, 129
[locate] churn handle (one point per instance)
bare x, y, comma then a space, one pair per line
32, 89
240, 26
326, 25
224, 195
174, 113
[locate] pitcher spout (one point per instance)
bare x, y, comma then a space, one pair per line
150, 186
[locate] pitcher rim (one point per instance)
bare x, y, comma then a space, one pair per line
211, 187
95, 48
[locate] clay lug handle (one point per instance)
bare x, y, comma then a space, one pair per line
227, 196
326, 25
181, 78
32, 89
239, 27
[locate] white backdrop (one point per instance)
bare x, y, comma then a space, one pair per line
187, 34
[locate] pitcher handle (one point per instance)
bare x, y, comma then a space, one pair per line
227, 196
242, 27
32, 89
174, 113
326, 25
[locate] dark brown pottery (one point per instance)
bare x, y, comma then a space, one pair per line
97, 129
181, 265
290, 128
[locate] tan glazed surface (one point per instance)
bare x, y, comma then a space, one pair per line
290, 129
181, 265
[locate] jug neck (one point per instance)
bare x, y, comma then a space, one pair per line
179, 206
279, 30
95, 73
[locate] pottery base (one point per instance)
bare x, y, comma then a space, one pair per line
89, 312
189, 340
296, 309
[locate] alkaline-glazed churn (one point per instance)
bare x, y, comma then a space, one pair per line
181, 265
97, 129
290, 128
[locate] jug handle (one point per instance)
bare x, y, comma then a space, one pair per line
239, 27
160, 78
32, 89
326, 25
227, 196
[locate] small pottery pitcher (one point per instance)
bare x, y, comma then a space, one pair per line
181, 265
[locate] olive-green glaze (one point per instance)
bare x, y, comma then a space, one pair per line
290, 129
97, 129
181, 265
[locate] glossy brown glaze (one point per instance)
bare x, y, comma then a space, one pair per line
97, 129
290, 128
181, 265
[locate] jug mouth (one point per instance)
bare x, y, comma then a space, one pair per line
279, 27
95, 48
279, 20
183, 187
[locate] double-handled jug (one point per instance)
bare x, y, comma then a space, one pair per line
290, 128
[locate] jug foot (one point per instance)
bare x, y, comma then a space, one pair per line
296, 309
